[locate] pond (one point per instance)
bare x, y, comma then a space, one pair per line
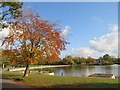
84, 70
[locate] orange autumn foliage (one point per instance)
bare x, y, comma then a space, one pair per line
34, 39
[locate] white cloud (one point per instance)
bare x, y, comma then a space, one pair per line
106, 44
3, 34
113, 27
83, 51
65, 31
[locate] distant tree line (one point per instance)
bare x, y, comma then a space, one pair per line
69, 60
105, 59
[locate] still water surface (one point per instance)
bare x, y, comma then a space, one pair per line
84, 70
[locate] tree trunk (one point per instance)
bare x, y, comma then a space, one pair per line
3, 66
26, 72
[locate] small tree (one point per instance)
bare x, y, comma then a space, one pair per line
100, 60
33, 39
5, 59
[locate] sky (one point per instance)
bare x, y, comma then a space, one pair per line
90, 27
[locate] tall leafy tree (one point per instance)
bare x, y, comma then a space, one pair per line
68, 60
77, 60
34, 39
106, 57
90, 60
9, 12
83, 60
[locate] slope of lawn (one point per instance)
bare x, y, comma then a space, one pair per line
46, 81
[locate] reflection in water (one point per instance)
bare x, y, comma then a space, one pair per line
84, 70
108, 69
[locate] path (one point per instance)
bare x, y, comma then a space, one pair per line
20, 69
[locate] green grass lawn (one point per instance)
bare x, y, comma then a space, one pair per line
11, 75
46, 81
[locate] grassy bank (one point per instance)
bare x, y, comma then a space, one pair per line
47, 81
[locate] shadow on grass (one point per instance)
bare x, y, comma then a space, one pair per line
89, 85
99, 86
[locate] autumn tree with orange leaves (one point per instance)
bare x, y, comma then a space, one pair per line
34, 39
